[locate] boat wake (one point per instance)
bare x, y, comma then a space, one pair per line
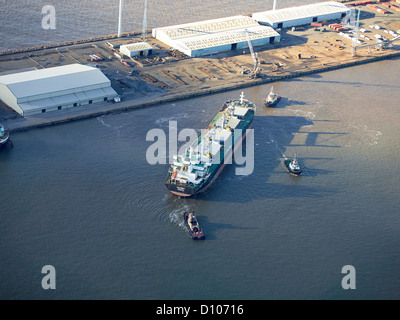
101, 119
176, 217
367, 136
173, 210
305, 114
164, 121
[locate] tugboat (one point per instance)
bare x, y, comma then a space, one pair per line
4, 137
293, 166
193, 226
272, 99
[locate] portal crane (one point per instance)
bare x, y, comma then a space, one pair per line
383, 44
380, 44
256, 72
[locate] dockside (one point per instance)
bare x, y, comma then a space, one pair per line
165, 75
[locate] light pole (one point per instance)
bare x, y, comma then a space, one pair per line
144, 29
120, 19
355, 38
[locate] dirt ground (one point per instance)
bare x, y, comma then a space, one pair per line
167, 71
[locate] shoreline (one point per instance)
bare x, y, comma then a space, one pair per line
166, 76
33, 122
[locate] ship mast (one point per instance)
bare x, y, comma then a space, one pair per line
241, 97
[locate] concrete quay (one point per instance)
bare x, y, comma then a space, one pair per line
42, 120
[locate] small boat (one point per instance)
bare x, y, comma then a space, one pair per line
4, 137
272, 99
193, 226
293, 166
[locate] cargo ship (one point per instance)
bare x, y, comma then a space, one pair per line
197, 168
4, 137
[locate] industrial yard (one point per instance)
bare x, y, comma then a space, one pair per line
166, 74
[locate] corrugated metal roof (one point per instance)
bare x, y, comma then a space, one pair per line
98, 93
214, 33
295, 13
139, 46
36, 105
208, 26
236, 36
50, 80
66, 99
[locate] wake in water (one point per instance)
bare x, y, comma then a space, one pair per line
305, 114
174, 210
102, 118
164, 121
367, 136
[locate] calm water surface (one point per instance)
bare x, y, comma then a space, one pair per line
82, 197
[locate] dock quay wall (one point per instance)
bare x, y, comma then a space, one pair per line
128, 105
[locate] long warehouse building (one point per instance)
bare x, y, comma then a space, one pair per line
302, 15
218, 35
56, 88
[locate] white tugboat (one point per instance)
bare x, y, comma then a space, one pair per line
293, 166
272, 99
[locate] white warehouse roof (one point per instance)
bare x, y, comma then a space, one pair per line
134, 47
213, 36
273, 17
206, 27
54, 88
44, 81
213, 40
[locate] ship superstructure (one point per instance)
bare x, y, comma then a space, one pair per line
197, 168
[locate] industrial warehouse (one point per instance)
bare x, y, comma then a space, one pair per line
141, 69
231, 33
136, 49
214, 36
302, 15
57, 88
